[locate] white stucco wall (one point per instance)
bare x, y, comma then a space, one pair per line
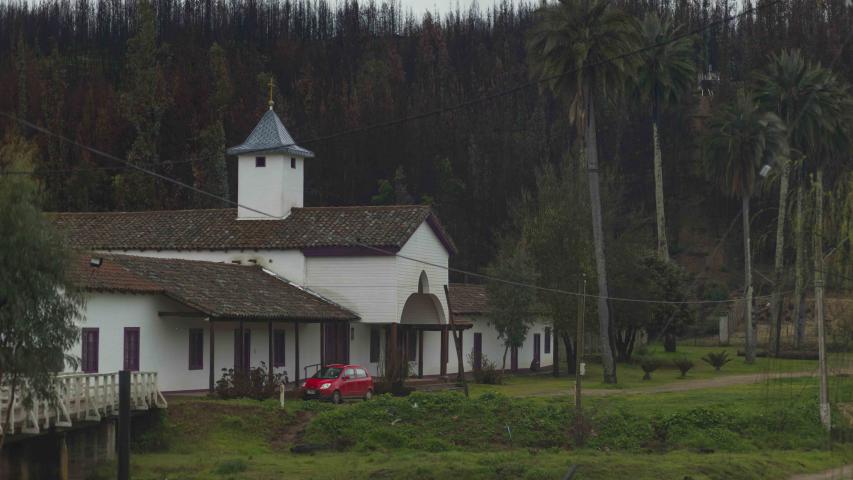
273, 189
364, 284
493, 347
425, 246
164, 341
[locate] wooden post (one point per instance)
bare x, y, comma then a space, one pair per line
123, 437
420, 353
269, 349
458, 340
240, 349
62, 447
322, 344
393, 353
211, 365
444, 352
555, 352
578, 360
296, 349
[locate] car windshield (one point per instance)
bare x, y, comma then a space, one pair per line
327, 372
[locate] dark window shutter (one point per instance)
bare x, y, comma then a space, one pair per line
547, 339
278, 348
196, 349
131, 348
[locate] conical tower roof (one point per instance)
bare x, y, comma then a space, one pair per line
270, 136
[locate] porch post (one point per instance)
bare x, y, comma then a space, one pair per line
241, 347
420, 353
210, 365
269, 349
461, 353
322, 344
393, 351
444, 352
296, 349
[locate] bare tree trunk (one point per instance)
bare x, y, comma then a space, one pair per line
747, 271
799, 267
779, 261
591, 150
503, 366
663, 247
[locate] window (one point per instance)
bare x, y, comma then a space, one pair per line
547, 339
260, 161
350, 372
352, 333
292, 162
374, 344
131, 349
89, 355
196, 349
278, 348
360, 373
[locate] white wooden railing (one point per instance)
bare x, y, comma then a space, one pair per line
83, 397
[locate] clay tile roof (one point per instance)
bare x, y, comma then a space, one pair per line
220, 290
468, 299
305, 228
270, 136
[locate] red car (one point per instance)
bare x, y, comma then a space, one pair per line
338, 381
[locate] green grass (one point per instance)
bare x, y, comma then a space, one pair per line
630, 376
766, 430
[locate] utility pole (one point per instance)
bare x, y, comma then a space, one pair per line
818, 294
578, 362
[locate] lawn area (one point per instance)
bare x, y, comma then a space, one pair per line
631, 376
768, 430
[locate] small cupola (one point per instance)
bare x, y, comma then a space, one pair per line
270, 170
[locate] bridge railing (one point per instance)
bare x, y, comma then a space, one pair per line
83, 397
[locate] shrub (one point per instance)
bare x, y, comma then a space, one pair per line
717, 359
488, 374
683, 365
231, 466
649, 365
254, 383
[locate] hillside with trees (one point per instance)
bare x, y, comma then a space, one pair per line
169, 84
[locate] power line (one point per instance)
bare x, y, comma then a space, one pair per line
526, 85
355, 241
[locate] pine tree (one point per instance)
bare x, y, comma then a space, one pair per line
209, 169
144, 101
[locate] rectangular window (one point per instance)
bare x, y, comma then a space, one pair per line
196, 349
292, 162
260, 161
547, 339
278, 348
374, 344
131, 349
89, 355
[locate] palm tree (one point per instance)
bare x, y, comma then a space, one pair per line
570, 50
799, 93
743, 138
665, 76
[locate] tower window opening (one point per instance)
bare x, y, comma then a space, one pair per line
260, 161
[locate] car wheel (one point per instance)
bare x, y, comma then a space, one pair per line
336, 397
368, 395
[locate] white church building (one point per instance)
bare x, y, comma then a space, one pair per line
188, 293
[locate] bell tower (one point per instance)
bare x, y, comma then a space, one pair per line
270, 170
